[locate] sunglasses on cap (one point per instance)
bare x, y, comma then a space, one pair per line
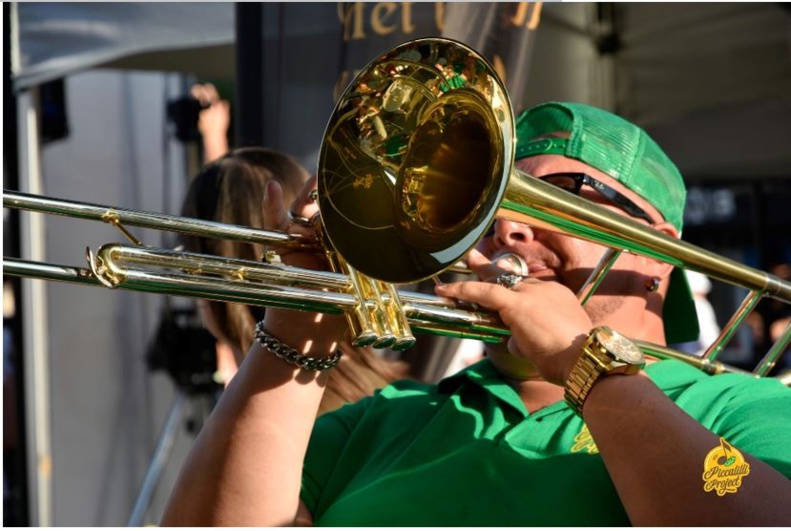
573, 182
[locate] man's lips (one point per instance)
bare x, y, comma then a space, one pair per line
544, 274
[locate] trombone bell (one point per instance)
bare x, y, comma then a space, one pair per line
415, 160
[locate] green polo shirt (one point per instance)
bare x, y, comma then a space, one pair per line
466, 452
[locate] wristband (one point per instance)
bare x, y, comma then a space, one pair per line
291, 355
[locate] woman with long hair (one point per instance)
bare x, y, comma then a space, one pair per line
231, 190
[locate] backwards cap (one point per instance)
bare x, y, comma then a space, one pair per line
626, 153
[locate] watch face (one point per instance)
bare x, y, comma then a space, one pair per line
620, 346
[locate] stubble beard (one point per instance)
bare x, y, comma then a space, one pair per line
600, 308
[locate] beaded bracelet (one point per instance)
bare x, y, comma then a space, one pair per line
292, 356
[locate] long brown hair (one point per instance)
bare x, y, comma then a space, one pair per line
231, 190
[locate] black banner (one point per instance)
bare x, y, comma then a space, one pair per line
311, 51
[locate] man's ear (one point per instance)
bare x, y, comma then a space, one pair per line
656, 268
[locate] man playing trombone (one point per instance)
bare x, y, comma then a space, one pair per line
565, 424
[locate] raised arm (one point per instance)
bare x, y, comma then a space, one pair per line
245, 466
213, 121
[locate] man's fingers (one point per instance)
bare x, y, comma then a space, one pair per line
476, 259
485, 294
482, 266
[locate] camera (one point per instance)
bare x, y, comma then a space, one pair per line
184, 113
184, 349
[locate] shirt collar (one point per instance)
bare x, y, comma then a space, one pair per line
484, 375
667, 374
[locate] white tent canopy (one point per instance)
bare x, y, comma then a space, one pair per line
58, 39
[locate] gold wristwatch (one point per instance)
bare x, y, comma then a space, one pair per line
605, 352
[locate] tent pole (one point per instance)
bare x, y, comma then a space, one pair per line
34, 322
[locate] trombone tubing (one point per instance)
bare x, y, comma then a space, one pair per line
578, 218
528, 200
532, 201
426, 312
151, 220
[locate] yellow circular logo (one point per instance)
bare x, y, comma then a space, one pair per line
723, 469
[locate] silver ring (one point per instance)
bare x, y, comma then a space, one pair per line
509, 280
300, 220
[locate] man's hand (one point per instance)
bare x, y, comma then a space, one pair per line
548, 324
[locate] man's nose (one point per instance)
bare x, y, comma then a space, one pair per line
510, 233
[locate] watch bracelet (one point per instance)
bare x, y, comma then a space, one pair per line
292, 355
585, 372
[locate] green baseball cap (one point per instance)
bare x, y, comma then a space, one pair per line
626, 153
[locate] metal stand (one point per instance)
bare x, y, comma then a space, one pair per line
187, 352
158, 462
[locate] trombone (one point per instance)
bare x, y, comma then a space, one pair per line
171, 272
416, 164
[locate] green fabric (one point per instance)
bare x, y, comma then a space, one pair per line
626, 153
611, 145
467, 453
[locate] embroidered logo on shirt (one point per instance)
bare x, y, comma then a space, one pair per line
584, 441
723, 469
